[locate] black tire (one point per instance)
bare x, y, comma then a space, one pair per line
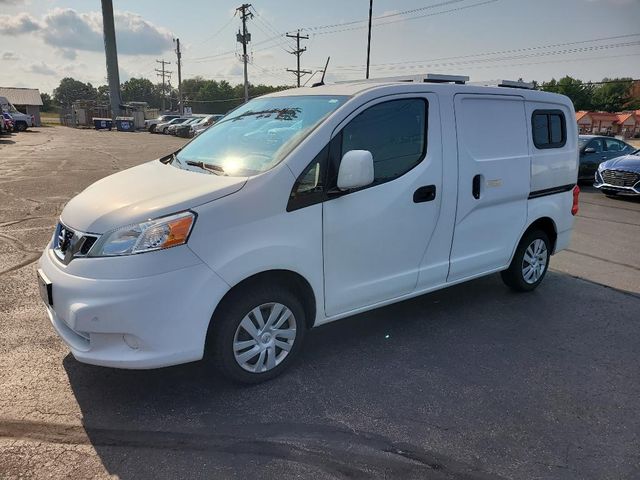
152, 128
164, 130
514, 277
21, 126
229, 315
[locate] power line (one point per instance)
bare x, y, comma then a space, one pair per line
499, 52
217, 32
486, 2
355, 22
506, 58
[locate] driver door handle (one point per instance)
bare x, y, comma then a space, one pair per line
424, 194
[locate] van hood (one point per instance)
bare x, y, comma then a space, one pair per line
144, 192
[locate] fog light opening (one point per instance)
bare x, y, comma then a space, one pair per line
131, 341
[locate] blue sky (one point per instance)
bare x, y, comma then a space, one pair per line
42, 41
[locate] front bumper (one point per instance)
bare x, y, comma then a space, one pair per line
137, 321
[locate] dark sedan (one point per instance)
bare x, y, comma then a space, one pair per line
596, 149
620, 175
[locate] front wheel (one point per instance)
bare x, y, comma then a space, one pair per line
256, 333
530, 262
21, 126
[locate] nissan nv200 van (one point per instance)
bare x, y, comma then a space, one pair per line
307, 206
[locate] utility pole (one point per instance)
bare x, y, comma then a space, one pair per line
163, 73
244, 38
297, 52
111, 53
369, 37
179, 54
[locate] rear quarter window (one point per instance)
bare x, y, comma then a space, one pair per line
549, 129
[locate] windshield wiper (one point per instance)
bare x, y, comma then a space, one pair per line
209, 167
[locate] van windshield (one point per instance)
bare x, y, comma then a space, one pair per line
256, 136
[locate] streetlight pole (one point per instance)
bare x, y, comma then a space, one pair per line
369, 37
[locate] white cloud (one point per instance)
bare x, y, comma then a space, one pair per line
41, 69
18, 24
69, 31
10, 57
68, 53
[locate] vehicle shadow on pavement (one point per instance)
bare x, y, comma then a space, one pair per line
469, 382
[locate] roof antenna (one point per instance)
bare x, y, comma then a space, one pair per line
321, 82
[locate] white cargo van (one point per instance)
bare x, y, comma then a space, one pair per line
306, 206
22, 120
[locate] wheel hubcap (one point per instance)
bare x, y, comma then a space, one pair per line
534, 262
264, 337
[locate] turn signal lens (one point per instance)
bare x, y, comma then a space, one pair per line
169, 234
576, 194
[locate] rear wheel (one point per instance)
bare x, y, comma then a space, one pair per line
257, 332
530, 262
152, 129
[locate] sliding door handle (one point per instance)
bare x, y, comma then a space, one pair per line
475, 189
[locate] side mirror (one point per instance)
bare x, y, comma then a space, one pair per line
356, 170
589, 150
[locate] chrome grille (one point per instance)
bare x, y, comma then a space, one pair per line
69, 244
620, 178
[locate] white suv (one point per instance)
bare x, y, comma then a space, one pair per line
306, 206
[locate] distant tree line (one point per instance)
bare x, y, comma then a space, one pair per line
609, 95
204, 96
213, 96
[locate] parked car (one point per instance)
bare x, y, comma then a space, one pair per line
171, 130
21, 121
150, 124
306, 206
201, 127
620, 176
595, 149
9, 124
187, 130
3, 127
164, 127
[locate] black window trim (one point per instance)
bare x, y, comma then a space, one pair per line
563, 126
335, 151
332, 158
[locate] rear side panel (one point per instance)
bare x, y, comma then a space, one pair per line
553, 167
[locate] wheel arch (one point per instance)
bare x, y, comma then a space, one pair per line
287, 278
548, 226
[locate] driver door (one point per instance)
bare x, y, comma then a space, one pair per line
375, 237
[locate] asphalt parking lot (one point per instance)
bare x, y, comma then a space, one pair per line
472, 382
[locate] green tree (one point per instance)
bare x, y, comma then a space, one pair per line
141, 90
613, 94
579, 93
103, 94
71, 90
46, 102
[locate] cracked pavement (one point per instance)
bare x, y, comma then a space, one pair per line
472, 382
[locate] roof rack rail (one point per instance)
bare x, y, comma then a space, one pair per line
516, 84
418, 78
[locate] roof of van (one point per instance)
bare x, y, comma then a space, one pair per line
361, 86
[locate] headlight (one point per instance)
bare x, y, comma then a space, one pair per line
164, 232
